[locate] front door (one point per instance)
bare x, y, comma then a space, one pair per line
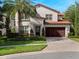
37, 29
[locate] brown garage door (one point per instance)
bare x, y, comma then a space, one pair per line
55, 31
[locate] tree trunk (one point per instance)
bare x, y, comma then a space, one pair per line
29, 26
19, 21
75, 28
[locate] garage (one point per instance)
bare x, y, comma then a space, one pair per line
55, 31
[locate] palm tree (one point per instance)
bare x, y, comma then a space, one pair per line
11, 7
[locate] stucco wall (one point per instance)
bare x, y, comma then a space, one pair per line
43, 11
36, 21
3, 30
32, 21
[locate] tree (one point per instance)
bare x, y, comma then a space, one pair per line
10, 7
73, 13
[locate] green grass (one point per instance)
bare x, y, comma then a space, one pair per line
75, 39
20, 49
7, 43
14, 41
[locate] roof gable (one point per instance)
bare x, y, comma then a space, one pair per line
47, 8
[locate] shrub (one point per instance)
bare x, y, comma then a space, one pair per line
37, 38
73, 36
3, 39
24, 38
12, 35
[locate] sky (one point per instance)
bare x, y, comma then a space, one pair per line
59, 5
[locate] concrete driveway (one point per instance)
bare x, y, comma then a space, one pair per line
61, 44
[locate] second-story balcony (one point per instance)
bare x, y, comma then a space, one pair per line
25, 19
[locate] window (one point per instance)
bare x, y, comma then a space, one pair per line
49, 16
60, 17
24, 17
24, 29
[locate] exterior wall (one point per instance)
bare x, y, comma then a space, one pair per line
3, 30
32, 23
36, 21
12, 25
43, 11
39, 22
67, 28
16, 22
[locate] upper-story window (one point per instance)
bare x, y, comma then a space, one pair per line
60, 17
49, 16
24, 17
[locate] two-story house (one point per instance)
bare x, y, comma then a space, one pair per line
48, 22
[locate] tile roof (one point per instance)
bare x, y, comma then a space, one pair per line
58, 22
60, 14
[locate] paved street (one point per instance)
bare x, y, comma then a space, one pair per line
47, 55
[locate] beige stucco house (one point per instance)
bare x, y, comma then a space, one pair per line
48, 22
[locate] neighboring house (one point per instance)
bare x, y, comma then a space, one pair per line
2, 24
48, 22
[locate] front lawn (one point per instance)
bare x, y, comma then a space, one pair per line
75, 39
20, 41
8, 43
20, 49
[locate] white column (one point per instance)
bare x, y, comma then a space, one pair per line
16, 22
4, 31
44, 31
29, 29
67, 31
4, 20
33, 28
41, 30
